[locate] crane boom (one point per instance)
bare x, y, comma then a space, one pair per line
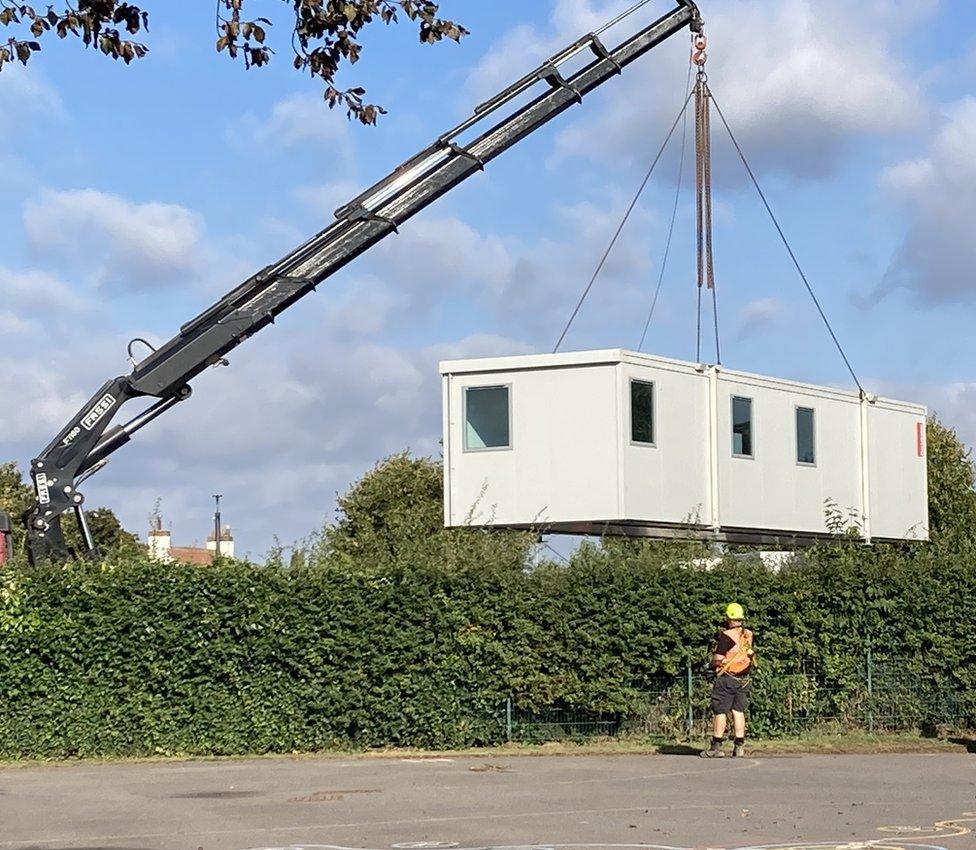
86, 442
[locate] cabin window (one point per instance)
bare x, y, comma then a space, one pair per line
642, 412
742, 432
806, 444
487, 418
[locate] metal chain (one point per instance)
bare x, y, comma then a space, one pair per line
707, 194
703, 193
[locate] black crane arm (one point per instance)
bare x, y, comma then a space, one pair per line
86, 442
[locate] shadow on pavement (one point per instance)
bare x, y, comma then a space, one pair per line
679, 750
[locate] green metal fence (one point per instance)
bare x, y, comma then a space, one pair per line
872, 696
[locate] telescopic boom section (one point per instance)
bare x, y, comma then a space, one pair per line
86, 442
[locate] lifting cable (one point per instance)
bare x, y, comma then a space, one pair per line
786, 243
674, 216
623, 223
704, 98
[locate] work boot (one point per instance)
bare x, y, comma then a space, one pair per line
713, 752
739, 751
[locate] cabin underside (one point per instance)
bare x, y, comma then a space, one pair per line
664, 531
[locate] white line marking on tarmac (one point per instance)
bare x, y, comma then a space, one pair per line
878, 844
489, 847
246, 831
828, 845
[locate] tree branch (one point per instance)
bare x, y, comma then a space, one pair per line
324, 35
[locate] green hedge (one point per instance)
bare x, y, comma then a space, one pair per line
134, 658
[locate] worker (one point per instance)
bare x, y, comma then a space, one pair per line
731, 663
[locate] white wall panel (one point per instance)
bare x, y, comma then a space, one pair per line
667, 481
562, 465
898, 472
771, 490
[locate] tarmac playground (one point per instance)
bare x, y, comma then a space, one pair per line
822, 802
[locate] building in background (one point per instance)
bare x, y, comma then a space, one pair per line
161, 548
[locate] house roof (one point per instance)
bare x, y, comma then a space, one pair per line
191, 555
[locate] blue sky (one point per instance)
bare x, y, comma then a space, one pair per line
134, 196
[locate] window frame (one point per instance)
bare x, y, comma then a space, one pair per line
752, 426
464, 419
796, 436
630, 405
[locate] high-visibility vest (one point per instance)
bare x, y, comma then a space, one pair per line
739, 658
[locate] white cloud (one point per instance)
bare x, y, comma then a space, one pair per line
11, 324
955, 405
524, 47
326, 199
527, 285
757, 315
37, 402
479, 345
935, 196
33, 290
549, 274
297, 120
365, 308
435, 255
24, 94
797, 81
122, 244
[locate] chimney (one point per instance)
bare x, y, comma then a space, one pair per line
160, 542
226, 542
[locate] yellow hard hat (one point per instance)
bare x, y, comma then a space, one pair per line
734, 611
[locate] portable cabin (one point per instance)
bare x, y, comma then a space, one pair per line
614, 442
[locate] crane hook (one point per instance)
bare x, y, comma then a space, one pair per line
699, 53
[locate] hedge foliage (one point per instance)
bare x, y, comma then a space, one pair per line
387, 629
131, 659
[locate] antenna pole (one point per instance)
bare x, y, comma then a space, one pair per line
217, 499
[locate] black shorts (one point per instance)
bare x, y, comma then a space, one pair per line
730, 694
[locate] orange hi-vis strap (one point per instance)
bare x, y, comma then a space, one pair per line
739, 658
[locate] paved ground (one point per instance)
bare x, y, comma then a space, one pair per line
822, 802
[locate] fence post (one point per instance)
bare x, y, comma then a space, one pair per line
691, 704
508, 719
870, 672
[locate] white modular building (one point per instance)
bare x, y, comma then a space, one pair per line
614, 442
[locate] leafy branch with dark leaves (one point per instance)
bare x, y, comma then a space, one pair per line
96, 22
324, 34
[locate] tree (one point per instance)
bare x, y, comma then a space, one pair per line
952, 486
324, 34
17, 497
395, 513
396, 504
108, 533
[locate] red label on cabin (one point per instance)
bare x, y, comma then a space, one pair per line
920, 439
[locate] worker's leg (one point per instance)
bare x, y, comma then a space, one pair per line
719, 725
738, 724
739, 705
722, 698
